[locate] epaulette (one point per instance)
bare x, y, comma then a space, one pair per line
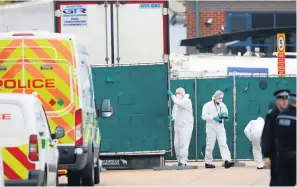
269, 111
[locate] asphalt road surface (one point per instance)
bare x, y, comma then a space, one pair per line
236, 176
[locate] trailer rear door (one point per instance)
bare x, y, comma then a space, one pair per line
128, 32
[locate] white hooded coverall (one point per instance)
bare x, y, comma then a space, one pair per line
215, 130
182, 114
253, 131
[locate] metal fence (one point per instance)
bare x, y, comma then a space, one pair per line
140, 126
246, 98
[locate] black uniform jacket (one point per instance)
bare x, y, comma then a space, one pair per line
269, 134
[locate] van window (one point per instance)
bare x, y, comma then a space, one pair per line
91, 90
86, 87
46, 119
41, 121
12, 124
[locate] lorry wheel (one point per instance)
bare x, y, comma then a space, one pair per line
97, 172
73, 178
88, 171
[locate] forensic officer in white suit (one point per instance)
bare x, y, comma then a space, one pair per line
182, 114
214, 113
253, 132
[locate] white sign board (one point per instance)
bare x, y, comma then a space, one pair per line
74, 15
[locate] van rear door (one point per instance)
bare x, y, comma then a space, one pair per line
46, 67
49, 71
14, 141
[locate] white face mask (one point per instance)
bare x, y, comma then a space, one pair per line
179, 96
219, 100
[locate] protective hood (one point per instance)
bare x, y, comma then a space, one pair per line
218, 92
216, 96
260, 120
180, 91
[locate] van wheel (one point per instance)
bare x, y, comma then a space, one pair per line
97, 172
88, 171
73, 178
57, 179
44, 183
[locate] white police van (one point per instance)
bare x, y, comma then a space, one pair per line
29, 149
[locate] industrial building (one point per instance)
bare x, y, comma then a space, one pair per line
213, 17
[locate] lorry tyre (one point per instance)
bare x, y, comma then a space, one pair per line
88, 172
73, 178
97, 172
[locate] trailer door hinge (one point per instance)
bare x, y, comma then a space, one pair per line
164, 11
58, 13
166, 58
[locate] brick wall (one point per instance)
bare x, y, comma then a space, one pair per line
191, 24
218, 19
191, 28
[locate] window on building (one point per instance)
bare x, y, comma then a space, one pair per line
238, 23
291, 39
236, 49
268, 50
262, 21
253, 20
262, 40
289, 48
285, 20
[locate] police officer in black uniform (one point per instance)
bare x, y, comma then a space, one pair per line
286, 144
268, 139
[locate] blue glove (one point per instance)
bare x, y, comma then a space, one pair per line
216, 118
170, 118
224, 114
169, 93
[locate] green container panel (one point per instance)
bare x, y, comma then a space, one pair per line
139, 97
253, 98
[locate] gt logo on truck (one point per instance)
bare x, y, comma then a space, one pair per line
5, 116
36, 83
74, 11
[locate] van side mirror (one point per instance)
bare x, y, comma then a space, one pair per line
106, 109
97, 110
59, 133
97, 113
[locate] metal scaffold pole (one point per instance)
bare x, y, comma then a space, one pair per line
236, 163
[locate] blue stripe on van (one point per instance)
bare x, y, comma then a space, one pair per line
43, 143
